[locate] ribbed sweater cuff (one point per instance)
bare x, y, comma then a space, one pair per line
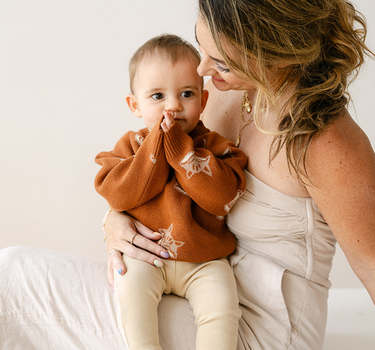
175, 141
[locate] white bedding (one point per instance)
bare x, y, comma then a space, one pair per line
57, 301
86, 321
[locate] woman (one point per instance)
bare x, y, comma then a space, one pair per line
309, 164
311, 181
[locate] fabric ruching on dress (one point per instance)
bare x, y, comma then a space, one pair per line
282, 262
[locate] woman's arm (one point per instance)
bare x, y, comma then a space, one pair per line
341, 165
119, 229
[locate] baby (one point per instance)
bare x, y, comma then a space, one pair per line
179, 179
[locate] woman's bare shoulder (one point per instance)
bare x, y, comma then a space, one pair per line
340, 146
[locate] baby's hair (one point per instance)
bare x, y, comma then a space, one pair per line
171, 46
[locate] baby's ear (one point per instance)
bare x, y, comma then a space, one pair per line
132, 102
204, 99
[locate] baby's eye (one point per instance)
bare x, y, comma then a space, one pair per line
187, 94
157, 96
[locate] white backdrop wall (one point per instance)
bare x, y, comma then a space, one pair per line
63, 79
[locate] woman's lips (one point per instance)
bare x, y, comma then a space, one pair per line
217, 79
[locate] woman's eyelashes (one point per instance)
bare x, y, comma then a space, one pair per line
222, 69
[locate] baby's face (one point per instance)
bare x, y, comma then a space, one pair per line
160, 86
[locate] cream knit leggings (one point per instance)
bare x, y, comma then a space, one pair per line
210, 288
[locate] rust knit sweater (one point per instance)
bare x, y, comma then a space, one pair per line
180, 185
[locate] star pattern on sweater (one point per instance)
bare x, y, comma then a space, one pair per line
139, 139
168, 242
178, 188
229, 206
194, 165
153, 159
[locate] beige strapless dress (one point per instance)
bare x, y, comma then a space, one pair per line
282, 263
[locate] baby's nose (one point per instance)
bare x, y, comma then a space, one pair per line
173, 104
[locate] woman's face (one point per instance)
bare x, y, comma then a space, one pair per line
213, 64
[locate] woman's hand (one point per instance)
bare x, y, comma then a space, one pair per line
130, 237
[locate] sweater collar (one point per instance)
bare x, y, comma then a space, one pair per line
200, 129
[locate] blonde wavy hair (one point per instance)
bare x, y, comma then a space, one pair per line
320, 43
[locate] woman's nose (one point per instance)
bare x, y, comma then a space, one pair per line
205, 67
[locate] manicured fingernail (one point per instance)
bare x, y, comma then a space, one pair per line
164, 255
119, 271
158, 263
156, 233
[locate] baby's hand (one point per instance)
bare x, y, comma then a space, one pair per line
168, 120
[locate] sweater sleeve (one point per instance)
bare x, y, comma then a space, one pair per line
134, 172
211, 175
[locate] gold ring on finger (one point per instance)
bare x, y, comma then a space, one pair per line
114, 250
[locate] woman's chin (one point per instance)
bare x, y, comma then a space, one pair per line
220, 84
223, 85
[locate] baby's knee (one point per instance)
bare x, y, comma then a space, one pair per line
216, 307
226, 306
139, 276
